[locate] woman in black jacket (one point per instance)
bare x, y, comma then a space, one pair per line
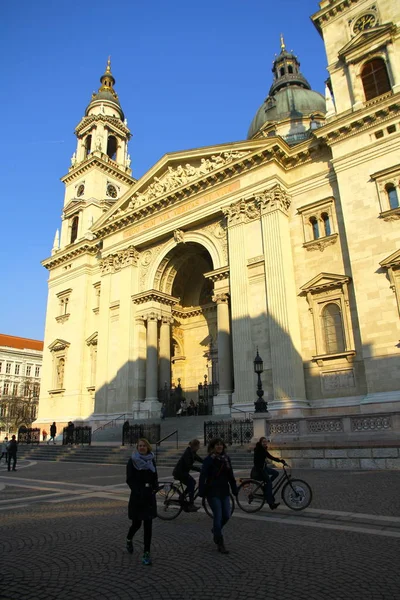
264, 473
141, 476
216, 478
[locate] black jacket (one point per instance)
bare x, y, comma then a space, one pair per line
185, 463
142, 502
260, 454
12, 447
216, 477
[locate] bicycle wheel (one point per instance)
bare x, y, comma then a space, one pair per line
251, 495
169, 504
296, 494
208, 510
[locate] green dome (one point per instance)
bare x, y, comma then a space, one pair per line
291, 101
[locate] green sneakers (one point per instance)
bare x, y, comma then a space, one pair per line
146, 560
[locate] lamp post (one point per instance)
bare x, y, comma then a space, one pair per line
260, 404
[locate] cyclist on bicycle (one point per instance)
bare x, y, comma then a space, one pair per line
182, 469
262, 472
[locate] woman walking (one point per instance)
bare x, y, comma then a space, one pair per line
216, 478
141, 476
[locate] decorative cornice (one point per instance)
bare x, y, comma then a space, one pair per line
92, 340
116, 123
180, 312
330, 10
68, 253
58, 345
115, 262
154, 296
218, 274
391, 215
325, 281
63, 318
321, 243
98, 160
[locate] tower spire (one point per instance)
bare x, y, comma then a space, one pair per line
283, 46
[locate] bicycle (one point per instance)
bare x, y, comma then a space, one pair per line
172, 500
295, 493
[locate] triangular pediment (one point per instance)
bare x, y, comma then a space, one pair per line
76, 204
365, 38
92, 339
184, 173
58, 344
325, 280
391, 261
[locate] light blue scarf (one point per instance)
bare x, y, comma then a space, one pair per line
143, 462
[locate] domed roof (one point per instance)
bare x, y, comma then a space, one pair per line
291, 101
106, 92
290, 95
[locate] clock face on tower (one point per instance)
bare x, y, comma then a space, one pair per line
364, 22
111, 190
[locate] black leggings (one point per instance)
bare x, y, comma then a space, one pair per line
148, 528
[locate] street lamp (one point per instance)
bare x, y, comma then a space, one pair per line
259, 405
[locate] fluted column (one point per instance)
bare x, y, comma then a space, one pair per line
287, 365
165, 352
224, 344
238, 214
152, 357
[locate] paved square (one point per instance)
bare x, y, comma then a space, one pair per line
63, 529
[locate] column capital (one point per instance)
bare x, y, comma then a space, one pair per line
115, 262
241, 212
221, 298
151, 316
272, 200
167, 320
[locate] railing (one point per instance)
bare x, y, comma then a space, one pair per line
110, 423
77, 435
29, 436
150, 431
166, 438
236, 431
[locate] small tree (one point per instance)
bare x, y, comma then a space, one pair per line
19, 405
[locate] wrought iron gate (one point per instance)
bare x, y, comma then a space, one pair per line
236, 431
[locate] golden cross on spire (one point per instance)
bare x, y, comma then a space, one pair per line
283, 47
108, 69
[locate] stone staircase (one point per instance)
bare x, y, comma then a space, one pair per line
167, 454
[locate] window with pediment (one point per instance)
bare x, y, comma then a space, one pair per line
59, 351
319, 224
328, 300
63, 305
388, 187
392, 265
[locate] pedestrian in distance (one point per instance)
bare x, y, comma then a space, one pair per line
44, 434
141, 476
262, 472
182, 469
4, 451
163, 411
216, 478
53, 433
12, 448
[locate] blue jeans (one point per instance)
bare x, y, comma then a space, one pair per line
269, 475
221, 508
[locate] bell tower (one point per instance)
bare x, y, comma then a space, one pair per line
100, 170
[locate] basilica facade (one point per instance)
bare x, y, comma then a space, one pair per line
286, 243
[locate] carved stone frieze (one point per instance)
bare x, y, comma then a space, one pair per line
273, 199
321, 243
179, 236
115, 262
241, 212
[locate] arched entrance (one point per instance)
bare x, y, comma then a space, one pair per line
194, 319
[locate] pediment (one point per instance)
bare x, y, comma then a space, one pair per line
77, 203
391, 261
325, 280
58, 344
177, 173
92, 339
365, 38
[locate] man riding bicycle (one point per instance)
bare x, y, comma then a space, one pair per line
182, 469
262, 472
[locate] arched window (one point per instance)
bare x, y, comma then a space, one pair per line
282, 72
332, 328
88, 145
375, 78
74, 229
392, 196
112, 147
315, 228
327, 223
290, 69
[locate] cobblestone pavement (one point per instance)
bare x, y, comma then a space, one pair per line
63, 528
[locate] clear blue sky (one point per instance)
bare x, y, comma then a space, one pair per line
188, 74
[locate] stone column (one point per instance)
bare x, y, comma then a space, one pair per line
152, 358
287, 364
394, 66
224, 344
238, 214
165, 352
100, 402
